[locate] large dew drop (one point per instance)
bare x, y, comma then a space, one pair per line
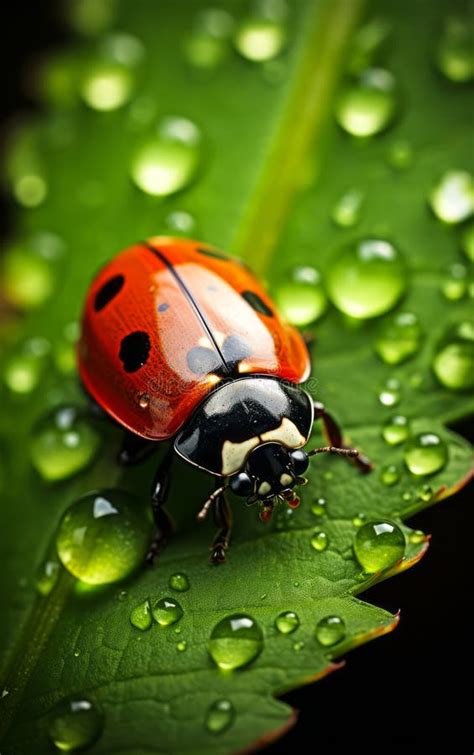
235, 641
74, 725
301, 300
453, 363
287, 622
379, 545
220, 715
368, 104
398, 338
425, 454
367, 278
103, 537
330, 630
452, 198
260, 39
166, 612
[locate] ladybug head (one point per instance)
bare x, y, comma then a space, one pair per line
271, 471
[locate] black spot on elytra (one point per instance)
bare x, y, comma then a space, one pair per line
108, 291
213, 253
257, 303
134, 350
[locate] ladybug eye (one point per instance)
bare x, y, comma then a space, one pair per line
300, 461
241, 484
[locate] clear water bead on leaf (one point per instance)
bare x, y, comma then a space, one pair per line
103, 536
63, 444
260, 39
398, 338
319, 540
379, 545
347, 210
455, 283
368, 104
179, 582
366, 278
167, 611
25, 367
330, 630
390, 394
287, 622
208, 44
453, 363
235, 641
140, 617
74, 725
455, 51
390, 475
106, 86
47, 576
396, 430
318, 507
301, 300
452, 198
220, 716
167, 163
425, 454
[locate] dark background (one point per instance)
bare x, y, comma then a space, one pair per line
408, 691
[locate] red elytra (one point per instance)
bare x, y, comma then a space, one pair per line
162, 318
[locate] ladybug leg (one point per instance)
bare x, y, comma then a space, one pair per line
159, 494
223, 520
334, 435
135, 449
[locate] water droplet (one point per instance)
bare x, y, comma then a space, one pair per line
65, 350
319, 540
367, 278
74, 725
220, 715
425, 453
369, 41
301, 300
390, 475
297, 646
396, 430
346, 212
103, 537
330, 630
167, 611
454, 54
122, 596
235, 641
208, 46
425, 493
407, 496
390, 394
179, 582
359, 519
106, 86
28, 278
140, 616
47, 576
467, 241
144, 400
284, 518
452, 198
398, 338
416, 537
455, 282
260, 39
181, 646
318, 507
379, 545
123, 48
368, 104
63, 444
168, 162
400, 155
287, 622
453, 363
180, 222
25, 367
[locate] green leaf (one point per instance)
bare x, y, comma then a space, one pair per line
270, 174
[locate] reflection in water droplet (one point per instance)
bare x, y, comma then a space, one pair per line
390, 475
220, 715
455, 282
235, 641
367, 278
425, 453
368, 104
103, 536
398, 338
396, 430
287, 622
330, 630
260, 39
379, 545
319, 540
74, 725
301, 300
63, 443
179, 582
167, 611
452, 198
346, 212
168, 162
140, 617
455, 50
453, 363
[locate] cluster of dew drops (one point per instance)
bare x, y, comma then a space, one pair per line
367, 279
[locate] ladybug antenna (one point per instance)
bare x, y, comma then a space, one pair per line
350, 452
207, 504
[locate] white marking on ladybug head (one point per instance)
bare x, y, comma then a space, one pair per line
264, 488
234, 454
286, 479
287, 434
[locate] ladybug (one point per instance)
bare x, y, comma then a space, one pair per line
181, 344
